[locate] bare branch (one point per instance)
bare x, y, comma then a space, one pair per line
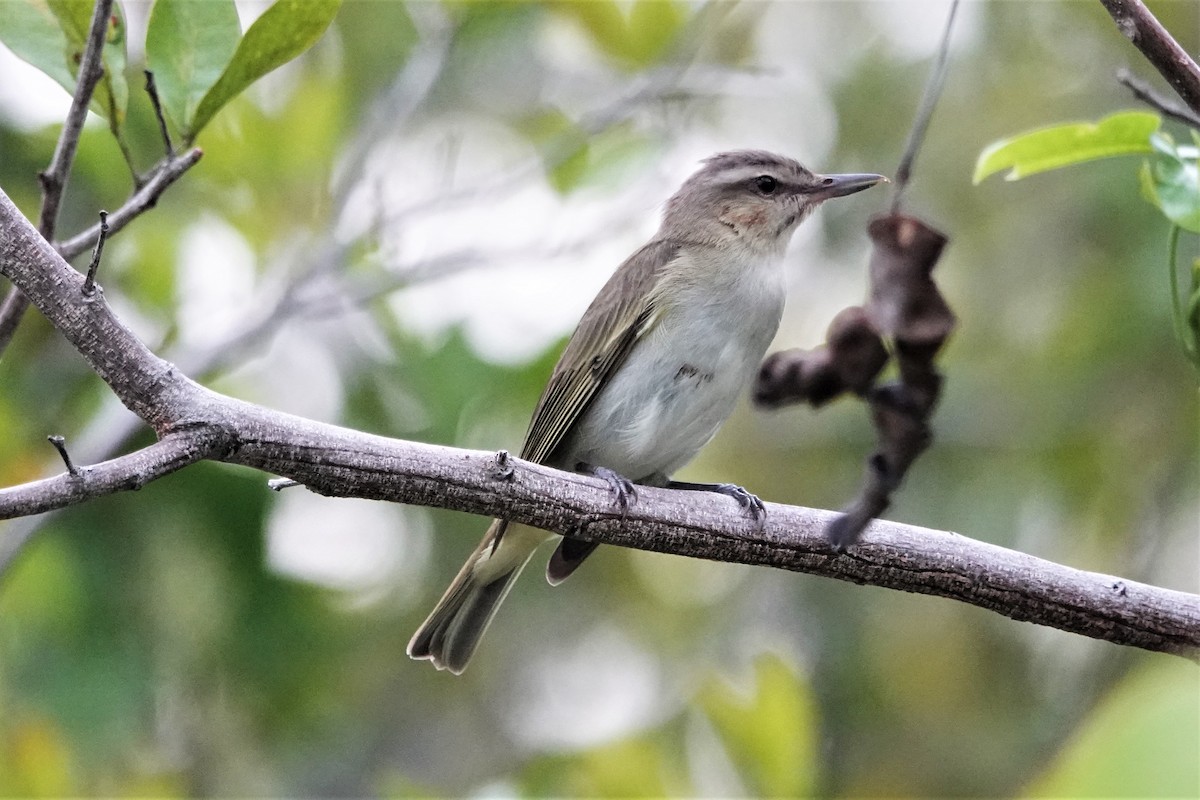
89, 283
1142, 28
60, 444
91, 70
54, 178
195, 422
145, 198
152, 90
1144, 92
933, 91
123, 474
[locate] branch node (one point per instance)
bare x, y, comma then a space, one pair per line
60, 444
1120, 588
502, 468
279, 484
89, 285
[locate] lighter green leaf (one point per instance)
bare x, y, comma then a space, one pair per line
1172, 182
1044, 149
637, 34
31, 31
771, 737
284, 31
188, 46
1141, 740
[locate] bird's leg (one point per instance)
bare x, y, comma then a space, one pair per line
745, 499
622, 488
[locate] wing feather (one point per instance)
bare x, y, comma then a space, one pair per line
624, 310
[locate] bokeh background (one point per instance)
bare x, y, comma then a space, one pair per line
397, 231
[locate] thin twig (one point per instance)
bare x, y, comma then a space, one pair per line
139, 202
929, 99
54, 177
1144, 92
152, 90
60, 444
89, 283
91, 70
1139, 26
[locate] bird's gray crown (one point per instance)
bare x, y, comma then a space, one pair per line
737, 166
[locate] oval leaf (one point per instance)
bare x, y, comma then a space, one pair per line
188, 46
1173, 183
283, 32
30, 30
1044, 149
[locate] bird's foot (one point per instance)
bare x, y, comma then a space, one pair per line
745, 499
624, 492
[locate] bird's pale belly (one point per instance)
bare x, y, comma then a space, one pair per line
667, 400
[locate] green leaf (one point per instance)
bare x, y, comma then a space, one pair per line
284, 31
1044, 149
111, 97
52, 34
564, 147
31, 31
772, 735
1140, 741
1172, 182
637, 35
188, 46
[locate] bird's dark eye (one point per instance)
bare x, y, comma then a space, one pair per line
766, 184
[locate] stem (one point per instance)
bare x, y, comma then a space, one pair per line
1186, 339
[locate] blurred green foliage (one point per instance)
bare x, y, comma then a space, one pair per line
1171, 182
160, 643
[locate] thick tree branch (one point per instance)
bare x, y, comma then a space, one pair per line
1148, 35
54, 177
195, 423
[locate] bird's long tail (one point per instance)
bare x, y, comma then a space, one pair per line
450, 634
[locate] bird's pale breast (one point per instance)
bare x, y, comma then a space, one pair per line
683, 378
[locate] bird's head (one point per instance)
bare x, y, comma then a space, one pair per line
753, 197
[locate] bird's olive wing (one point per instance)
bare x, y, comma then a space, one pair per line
621, 314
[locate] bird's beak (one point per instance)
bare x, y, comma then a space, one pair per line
841, 185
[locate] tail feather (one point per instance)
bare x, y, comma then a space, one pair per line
567, 557
449, 635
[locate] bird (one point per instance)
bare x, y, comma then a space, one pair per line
654, 367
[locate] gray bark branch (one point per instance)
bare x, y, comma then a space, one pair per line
195, 423
1147, 34
54, 177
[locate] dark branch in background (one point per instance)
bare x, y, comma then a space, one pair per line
904, 309
152, 90
929, 98
54, 178
1168, 108
195, 423
91, 70
1148, 35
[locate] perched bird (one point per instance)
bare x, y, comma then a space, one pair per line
654, 367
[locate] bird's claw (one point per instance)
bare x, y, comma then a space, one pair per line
745, 499
624, 492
